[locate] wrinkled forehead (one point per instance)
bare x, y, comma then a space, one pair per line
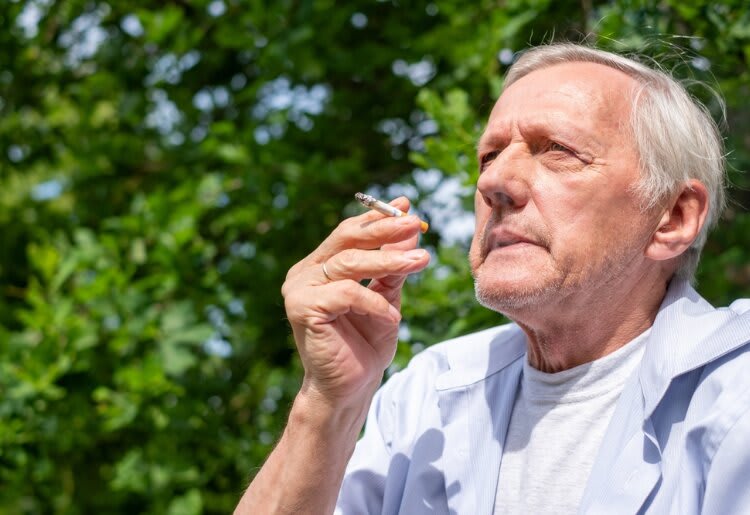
581, 90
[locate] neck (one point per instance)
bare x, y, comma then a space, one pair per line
582, 328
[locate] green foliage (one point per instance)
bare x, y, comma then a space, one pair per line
162, 164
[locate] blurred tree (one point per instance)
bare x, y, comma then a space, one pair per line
162, 164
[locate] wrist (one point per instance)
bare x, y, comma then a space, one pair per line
305, 470
325, 416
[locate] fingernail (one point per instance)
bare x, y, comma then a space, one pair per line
395, 314
415, 254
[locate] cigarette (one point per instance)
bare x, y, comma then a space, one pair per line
386, 209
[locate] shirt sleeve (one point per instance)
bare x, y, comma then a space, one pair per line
403, 409
363, 488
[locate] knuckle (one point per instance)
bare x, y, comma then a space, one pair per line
345, 227
292, 280
293, 303
290, 299
351, 288
394, 260
292, 271
355, 293
296, 269
348, 259
285, 288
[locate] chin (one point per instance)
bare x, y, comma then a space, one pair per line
512, 294
506, 301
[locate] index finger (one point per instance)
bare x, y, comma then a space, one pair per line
370, 230
367, 231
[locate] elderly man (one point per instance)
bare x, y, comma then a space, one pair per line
617, 389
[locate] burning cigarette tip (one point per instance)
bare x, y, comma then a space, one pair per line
364, 199
386, 209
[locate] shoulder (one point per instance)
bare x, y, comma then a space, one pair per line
722, 396
721, 400
718, 432
740, 306
723, 379
407, 403
459, 354
466, 359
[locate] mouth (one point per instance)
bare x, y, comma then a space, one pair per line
505, 247
510, 243
504, 240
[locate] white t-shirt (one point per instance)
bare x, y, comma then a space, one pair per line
556, 428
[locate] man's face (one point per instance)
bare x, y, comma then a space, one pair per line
557, 220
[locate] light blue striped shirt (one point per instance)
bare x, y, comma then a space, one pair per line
678, 442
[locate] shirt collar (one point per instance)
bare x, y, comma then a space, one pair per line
471, 359
688, 332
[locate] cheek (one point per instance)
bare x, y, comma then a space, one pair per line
587, 239
565, 200
481, 214
578, 232
475, 259
580, 212
475, 250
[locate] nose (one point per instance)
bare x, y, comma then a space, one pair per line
505, 182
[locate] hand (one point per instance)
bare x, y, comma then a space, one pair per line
346, 333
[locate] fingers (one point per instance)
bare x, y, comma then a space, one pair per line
348, 253
369, 230
336, 299
371, 235
390, 285
406, 244
355, 264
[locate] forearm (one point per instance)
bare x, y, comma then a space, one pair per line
346, 334
304, 472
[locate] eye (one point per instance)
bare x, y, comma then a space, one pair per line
487, 159
557, 147
555, 152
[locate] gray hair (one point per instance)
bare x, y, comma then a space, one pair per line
675, 136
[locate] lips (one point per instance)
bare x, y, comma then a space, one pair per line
498, 238
511, 240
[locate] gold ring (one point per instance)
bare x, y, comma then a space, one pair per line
325, 272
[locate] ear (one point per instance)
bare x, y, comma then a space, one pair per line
680, 222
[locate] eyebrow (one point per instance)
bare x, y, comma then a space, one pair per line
548, 126
489, 140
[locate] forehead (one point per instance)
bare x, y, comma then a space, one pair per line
588, 96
